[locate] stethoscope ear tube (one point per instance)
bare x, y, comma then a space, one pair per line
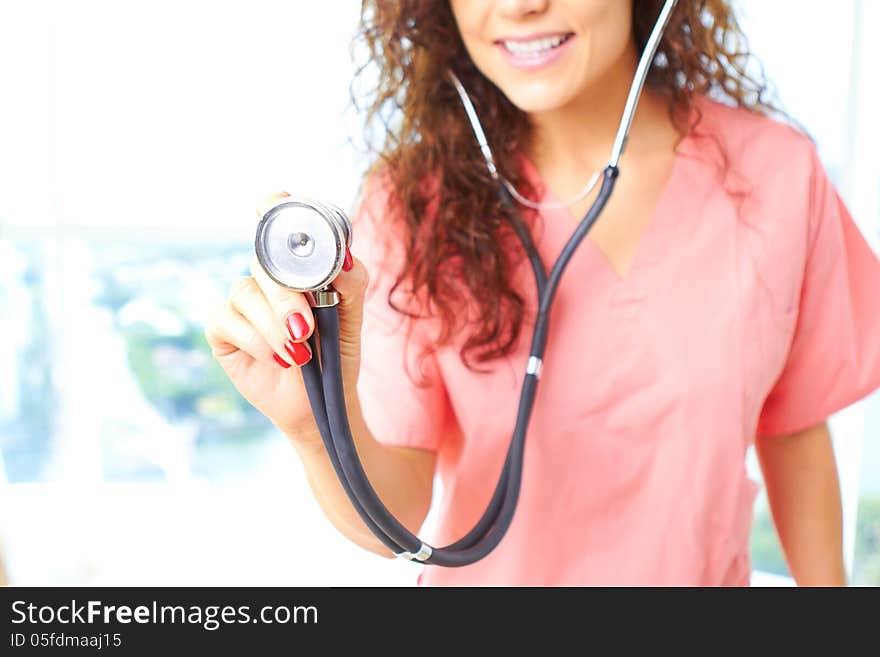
324, 386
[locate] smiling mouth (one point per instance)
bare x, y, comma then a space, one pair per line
534, 47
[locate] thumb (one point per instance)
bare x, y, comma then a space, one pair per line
351, 286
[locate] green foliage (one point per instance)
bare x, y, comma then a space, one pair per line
767, 553
175, 370
179, 376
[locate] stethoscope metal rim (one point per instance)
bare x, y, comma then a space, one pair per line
336, 220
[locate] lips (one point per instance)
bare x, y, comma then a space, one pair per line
534, 51
533, 47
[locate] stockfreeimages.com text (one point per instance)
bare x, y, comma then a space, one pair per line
211, 617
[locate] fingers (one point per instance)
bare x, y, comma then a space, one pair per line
291, 308
352, 284
227, 332
248, 300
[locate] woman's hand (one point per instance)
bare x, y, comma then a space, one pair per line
259, 338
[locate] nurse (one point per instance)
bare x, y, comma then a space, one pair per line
724, 298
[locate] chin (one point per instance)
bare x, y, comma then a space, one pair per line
538, 96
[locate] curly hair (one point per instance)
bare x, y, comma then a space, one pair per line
456, 234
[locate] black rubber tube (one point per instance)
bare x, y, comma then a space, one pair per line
327, 320
511, 497
490, 515
539, 339
312, 378
316, 397
499, 514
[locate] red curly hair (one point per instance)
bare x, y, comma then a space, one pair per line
456, 234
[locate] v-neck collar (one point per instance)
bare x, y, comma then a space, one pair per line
631, 287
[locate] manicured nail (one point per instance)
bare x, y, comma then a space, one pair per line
300, 353
278, 359
297, 326
348, 262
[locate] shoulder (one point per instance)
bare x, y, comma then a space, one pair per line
762, 149
381, 238
374, 197
376, 236
743, 128
780, 193
384, 198
773, 166
377, 226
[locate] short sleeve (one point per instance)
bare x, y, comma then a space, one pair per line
834, 357
401, 391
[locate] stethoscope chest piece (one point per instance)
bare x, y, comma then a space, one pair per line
301, 243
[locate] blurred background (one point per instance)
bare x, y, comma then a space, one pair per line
135, 140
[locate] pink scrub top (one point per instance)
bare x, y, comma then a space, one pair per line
752, 308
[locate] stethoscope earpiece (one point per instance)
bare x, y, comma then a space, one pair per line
301, 243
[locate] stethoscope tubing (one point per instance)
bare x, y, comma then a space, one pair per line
323, 380
314, 384
313, 378
324, 386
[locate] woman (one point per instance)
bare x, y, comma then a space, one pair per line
724, 297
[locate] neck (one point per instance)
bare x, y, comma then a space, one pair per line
579, 136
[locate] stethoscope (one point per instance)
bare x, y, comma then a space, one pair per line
301, 244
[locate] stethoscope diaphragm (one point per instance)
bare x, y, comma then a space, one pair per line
301, 243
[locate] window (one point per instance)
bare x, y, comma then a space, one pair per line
138, 154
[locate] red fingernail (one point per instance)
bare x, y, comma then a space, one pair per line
300, 353
280, 360
348, 262
297, 326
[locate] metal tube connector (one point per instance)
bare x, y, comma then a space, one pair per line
534, 366
424, 553
323, 298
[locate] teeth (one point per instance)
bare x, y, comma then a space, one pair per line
532, 48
